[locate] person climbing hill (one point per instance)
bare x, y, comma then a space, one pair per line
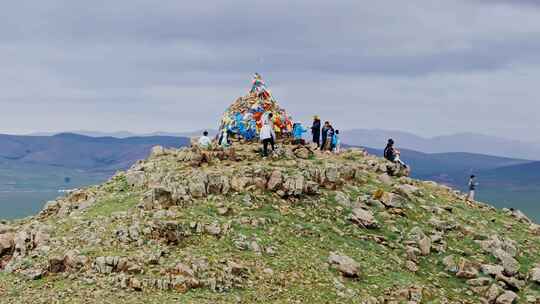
298, 132
316, 131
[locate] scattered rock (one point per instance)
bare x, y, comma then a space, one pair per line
344, 264
425, 245
535, 274
508, 297
363, 218
466, 269
275, 181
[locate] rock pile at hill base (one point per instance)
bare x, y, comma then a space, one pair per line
226, 226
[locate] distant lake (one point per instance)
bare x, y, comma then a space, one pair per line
21, 203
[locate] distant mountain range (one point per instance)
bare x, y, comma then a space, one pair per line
376, 138
127, 134
464, 142
76, 151
67, 160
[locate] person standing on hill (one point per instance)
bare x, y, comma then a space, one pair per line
329, 141
316, 131
336, 143
298, 133
324, 133
267, 135
472, 188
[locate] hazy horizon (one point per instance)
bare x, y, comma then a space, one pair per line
190, 131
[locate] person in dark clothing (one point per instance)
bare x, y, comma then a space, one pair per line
389, 151
324, 133
392, 154
472, 188
329, 139
316, 131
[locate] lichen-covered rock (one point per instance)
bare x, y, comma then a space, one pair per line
136, 178
535, 275
363, 218
467, 269
344, 264
508, 297
275, 181
510, 265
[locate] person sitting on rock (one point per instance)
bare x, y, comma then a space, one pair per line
204, 141
267, 135
298, 132
392, 154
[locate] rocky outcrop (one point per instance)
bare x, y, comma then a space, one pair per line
228, 220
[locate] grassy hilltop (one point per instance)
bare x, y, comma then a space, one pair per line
223, 227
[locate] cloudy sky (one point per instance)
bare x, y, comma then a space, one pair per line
427, 66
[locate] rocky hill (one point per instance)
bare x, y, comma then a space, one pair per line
187, 226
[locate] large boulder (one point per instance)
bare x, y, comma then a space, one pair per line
135, 178
424, 244
216, 183
303, 152
294, 185
511, 265
275, 181
197, 189
344, 264
363, 218
342, 199
239, 183
467, 269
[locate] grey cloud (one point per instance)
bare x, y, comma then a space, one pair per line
146, 65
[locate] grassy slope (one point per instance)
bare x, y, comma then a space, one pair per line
303, 234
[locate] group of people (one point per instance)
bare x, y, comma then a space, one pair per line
326, 137
330, 136
330, 142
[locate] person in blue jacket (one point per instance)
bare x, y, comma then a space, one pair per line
298, 132
336, 142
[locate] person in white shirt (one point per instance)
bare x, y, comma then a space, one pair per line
204, 141
267, 134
